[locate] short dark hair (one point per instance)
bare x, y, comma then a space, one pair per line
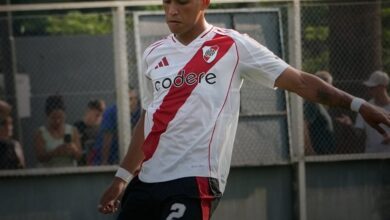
97, 104
54, 102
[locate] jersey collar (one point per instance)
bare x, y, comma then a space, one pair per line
200, 36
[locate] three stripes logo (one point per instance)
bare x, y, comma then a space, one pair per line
163, 62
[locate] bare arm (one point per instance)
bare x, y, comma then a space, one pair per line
20, 154
40, 150
314, 89
131, 162
135, 155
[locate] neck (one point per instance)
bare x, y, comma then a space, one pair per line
187, 37
382, 99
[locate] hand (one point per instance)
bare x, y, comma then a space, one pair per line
62, 149
376, 117
386, 140
67, 149
72, 149
110, 200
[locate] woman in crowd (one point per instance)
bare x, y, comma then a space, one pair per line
57, 144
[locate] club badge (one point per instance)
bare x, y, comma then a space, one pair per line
210, 53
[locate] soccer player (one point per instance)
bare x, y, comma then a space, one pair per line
179, 157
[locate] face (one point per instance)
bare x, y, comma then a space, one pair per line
56, 118
375, 90
185, 18
94, 116
133, 100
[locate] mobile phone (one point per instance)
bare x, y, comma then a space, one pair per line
67, 138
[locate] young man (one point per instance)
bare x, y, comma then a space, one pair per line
88, 128
106, 149
377, 87
181, 148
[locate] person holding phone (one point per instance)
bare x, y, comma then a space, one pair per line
57, 144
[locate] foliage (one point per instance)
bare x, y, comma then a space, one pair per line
76, 22
319, 33
153, 8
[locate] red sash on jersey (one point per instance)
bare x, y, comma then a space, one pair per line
177, 96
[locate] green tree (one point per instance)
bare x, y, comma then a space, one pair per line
76, 22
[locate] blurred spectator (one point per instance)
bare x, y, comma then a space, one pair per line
88, 127
57, 144
320, 137
135, 107
5, 108
374, 141
11, 152
106, 150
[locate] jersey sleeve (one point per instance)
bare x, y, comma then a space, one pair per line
146, 85
257, 62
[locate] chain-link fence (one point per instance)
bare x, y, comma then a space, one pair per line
65, 65
64, 72
347, 40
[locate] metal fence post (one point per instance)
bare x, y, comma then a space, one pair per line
121, 79
296, 110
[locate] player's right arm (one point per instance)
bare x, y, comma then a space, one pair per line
134, 156
110, 200
316, 90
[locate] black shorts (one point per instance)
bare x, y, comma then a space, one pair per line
190, 198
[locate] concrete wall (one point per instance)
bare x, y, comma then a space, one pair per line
357, 190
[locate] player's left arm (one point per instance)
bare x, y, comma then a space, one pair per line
314, 89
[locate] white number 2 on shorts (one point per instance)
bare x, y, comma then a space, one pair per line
178, 210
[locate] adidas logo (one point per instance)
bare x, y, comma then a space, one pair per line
162, 63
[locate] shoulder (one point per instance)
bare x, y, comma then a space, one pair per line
229, 32
5, 108
110, 110
224, 31
242, 40
152, 47
109, 115
16, 143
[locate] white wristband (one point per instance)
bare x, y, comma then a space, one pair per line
356, 104
124, 174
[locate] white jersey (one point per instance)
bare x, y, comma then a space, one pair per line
373, 138
191, 95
